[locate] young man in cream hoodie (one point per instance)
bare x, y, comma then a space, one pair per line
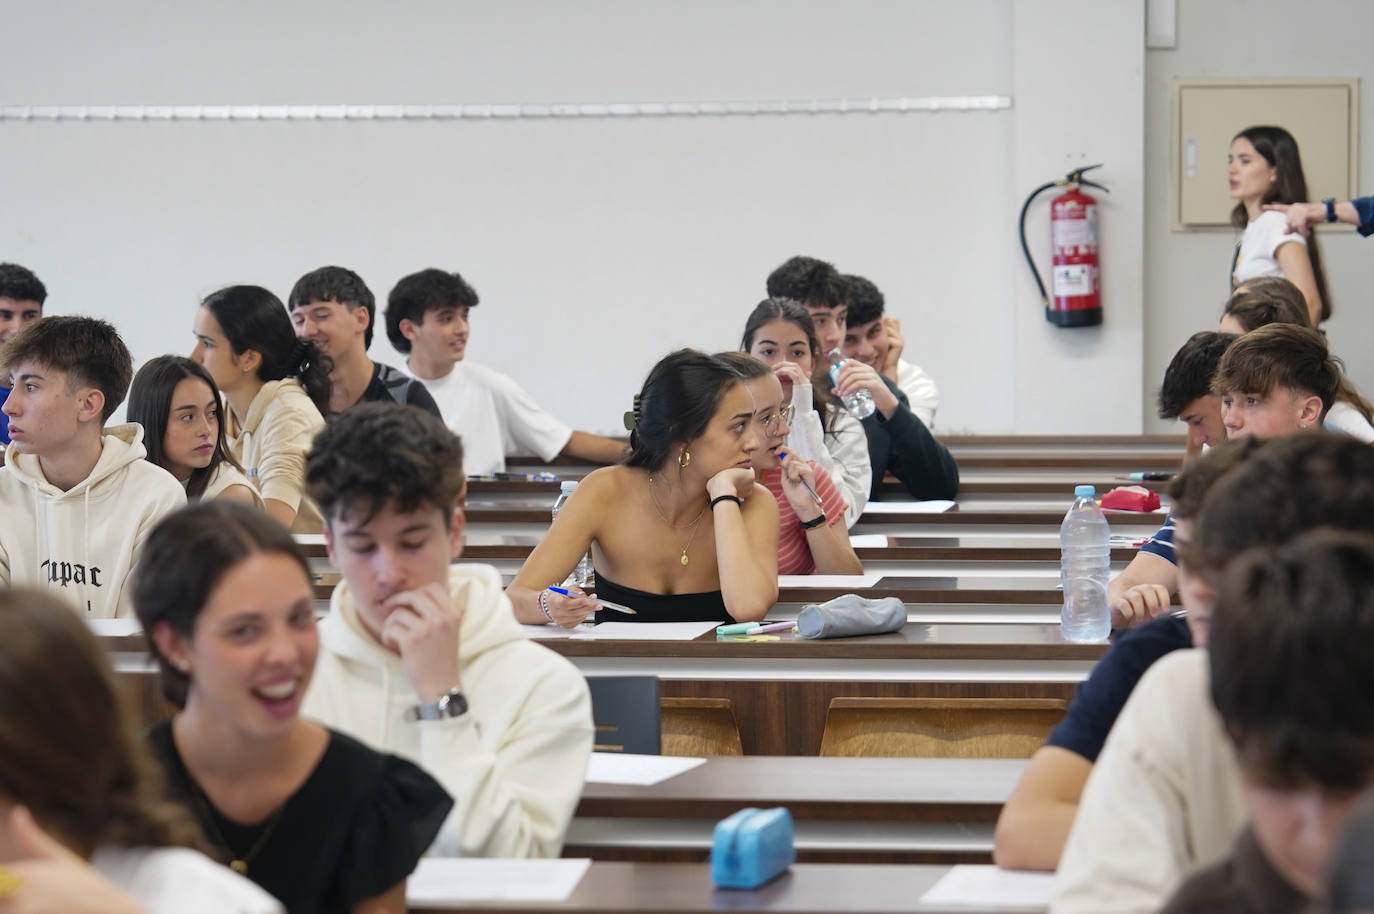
424, 658
77, 499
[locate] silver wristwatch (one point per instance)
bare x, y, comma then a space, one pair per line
453, 704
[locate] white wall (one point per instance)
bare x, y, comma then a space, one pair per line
1186, 283
1080, 101
596, 245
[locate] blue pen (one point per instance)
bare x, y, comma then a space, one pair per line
782, 455
604, 604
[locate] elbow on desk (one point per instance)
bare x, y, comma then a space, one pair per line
1015, 848
751, 609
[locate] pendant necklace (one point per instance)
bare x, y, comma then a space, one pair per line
236, 863
663, 517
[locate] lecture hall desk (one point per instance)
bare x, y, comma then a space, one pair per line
780, 690
845, 810
685, 888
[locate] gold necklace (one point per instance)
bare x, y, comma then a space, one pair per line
663, 517
236, 863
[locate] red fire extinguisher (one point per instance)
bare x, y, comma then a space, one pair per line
1076, 277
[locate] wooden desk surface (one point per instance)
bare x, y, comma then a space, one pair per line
915, 641
1020, 512
860, 789
808, 888
969, 545
990, 483
914, 589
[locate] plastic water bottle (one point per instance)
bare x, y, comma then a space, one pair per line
860, 403
1085, 567
583, 572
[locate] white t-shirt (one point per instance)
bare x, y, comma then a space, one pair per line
1260, 243
494, 417
920, 390
175, 880
1342, 417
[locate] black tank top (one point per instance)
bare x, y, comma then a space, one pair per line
660, 607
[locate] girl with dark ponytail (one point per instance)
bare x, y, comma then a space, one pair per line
277, 388
680, 531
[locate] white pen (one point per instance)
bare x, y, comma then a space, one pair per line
604, 604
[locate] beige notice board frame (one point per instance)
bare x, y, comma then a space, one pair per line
1327, 108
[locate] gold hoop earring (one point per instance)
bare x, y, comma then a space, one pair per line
684, 458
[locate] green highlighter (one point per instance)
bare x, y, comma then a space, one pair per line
736, 628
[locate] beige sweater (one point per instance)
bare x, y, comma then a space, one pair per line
271, 444
514, 763
1163, 799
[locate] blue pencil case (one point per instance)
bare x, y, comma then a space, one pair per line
751, 848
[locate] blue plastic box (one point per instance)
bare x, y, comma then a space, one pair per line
751, 848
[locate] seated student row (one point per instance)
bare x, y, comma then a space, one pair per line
417, 657
1288, 372
278, 387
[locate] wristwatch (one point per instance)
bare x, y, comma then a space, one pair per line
452, 704
1330, 209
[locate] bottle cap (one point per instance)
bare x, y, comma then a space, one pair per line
1078, 491
567, 486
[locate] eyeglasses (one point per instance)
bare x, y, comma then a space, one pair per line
784, 413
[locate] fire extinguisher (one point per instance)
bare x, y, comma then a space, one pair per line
1076, 277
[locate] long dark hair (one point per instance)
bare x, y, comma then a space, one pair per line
1274, 300
676, 404
68, 750
253, 318
786, 309
150, 405
1280, 150
184, 558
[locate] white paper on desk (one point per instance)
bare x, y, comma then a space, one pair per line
849, 581
643, 631
114, 628
908, 507
444, 881
868, 540
547, 630
640, 770
991, 886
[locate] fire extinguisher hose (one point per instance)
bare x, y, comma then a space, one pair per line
1025, 248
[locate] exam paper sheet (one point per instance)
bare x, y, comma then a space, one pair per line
830, 581
639, 770
935, 506
443, 882
991, 886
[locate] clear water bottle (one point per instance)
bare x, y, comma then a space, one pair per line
1085, 567
582, 574
860, 402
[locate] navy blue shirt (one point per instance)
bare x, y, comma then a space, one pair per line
1162, 543
4, 420
1101, 697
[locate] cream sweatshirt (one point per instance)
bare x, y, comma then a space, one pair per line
81, 544
514, 763
271, 444
1163, 799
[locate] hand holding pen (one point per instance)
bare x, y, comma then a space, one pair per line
569, 607
797, 472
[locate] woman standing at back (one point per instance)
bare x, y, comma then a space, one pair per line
277, 387
1264, 167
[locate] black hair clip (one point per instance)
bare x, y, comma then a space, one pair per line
632, 417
